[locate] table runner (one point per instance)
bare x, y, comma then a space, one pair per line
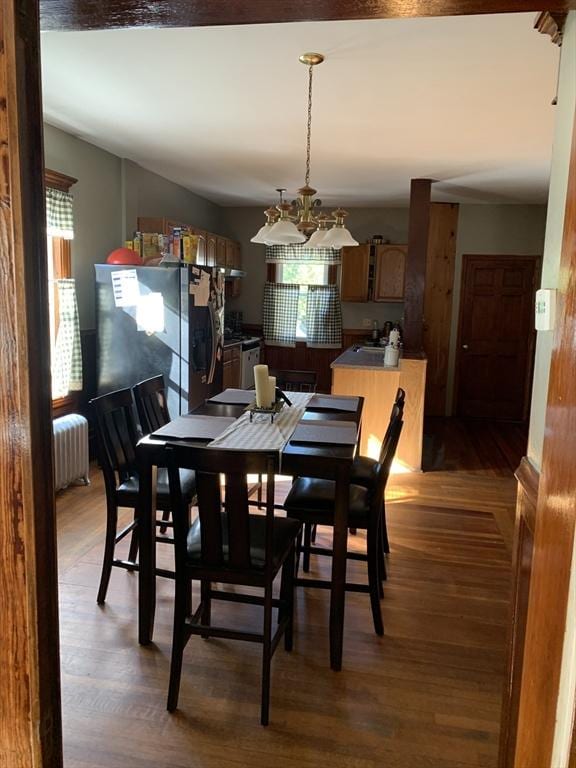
261, 434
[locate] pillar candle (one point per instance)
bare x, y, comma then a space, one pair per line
262, 385
272, 389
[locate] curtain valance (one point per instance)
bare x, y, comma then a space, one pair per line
288, 254
59, 214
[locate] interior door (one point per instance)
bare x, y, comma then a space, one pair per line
496, 336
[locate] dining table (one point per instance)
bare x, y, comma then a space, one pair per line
318, 460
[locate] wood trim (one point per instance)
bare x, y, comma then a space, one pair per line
112, 14
62, 253
30, 716
551, 24
555, 520
528, 482
57, 180
420, 192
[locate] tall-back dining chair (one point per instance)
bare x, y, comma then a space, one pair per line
312, 501
295, 381
151, 403
116, 436
226, 544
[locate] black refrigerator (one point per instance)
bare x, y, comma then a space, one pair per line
167, 320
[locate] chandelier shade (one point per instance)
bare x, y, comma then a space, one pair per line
295, 223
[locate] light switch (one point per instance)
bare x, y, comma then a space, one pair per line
545, 309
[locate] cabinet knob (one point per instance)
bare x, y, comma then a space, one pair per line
464, 346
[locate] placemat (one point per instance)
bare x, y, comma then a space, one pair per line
333, 403
193, 428
234, 397
325, 433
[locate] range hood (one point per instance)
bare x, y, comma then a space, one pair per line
230, 272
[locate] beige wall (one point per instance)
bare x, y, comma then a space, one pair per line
492, 229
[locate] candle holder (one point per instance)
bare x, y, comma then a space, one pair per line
273, 410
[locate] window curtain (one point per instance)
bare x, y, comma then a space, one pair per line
67, 359
323, 317
288, 254
280, 316
59, 214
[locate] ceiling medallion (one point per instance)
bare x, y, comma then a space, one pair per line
295, 222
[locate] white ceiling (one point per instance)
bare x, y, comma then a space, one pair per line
463, 100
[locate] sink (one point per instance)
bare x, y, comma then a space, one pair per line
374, 350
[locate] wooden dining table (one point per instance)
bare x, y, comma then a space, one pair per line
332, 462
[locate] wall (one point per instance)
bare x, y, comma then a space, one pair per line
97, 207
492, 229
108, 198
242, 223
554, 230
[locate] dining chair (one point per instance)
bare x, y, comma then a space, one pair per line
151, 403
116, 438
312, 501
227, 545
295, 381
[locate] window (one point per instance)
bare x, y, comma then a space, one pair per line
302, 274
64, 330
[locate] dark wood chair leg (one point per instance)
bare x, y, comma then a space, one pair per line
382, 575
206, 614
298, 551
110, 542
259, 492
307, 545
287, 597
313, 534
178, 643
133, 551
373, 545
266, 655
165, 519
385, 542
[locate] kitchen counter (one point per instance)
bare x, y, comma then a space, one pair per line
228, 344
359, 373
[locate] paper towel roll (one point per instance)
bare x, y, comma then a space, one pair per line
261, 382
391, 355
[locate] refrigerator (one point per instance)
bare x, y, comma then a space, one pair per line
167, 320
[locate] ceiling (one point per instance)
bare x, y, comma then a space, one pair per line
222, 110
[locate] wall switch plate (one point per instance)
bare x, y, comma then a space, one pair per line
366, 323
545, 310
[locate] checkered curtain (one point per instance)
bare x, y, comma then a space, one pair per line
67, 360
59, 214
280, 314
288, 254
323, 317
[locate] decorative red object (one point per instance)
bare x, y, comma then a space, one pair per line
124, 256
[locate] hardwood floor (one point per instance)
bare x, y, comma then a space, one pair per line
426, 695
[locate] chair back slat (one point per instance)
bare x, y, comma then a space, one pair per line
387, 457
116, 433
295, 381
397, 411
238, 521
229, 548
151, 404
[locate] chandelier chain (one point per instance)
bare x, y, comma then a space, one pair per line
308, 127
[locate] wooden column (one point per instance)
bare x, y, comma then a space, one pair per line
555, 521
30, 724
420, 190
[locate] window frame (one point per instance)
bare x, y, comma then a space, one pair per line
62, 268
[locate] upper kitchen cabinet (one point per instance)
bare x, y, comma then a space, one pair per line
373, 273
390, 269
210, 249
355, 272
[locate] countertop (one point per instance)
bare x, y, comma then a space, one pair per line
371, 360
232, 343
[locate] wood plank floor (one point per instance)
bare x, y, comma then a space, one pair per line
426, 695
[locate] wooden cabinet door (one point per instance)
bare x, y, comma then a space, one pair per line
210, 249
220, 251
390, 269
230, 248
355, 267
201, 252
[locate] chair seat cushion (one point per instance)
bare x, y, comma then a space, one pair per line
311, 499
130, 487
284, 534
364, 471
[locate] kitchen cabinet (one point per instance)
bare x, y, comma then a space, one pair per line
373, 273
232, 365
355, 271
390, 270
210, 249
221, 251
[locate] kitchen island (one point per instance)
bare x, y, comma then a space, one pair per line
359, 371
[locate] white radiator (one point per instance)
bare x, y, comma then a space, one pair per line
71, 460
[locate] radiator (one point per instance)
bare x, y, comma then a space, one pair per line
71, 462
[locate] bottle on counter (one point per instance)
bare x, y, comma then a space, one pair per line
375, 331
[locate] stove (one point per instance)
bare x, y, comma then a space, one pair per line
248, 341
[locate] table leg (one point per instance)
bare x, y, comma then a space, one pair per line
147, 538
339, 545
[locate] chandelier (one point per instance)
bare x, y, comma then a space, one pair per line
288, 223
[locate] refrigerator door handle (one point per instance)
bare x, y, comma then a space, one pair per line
212, 370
